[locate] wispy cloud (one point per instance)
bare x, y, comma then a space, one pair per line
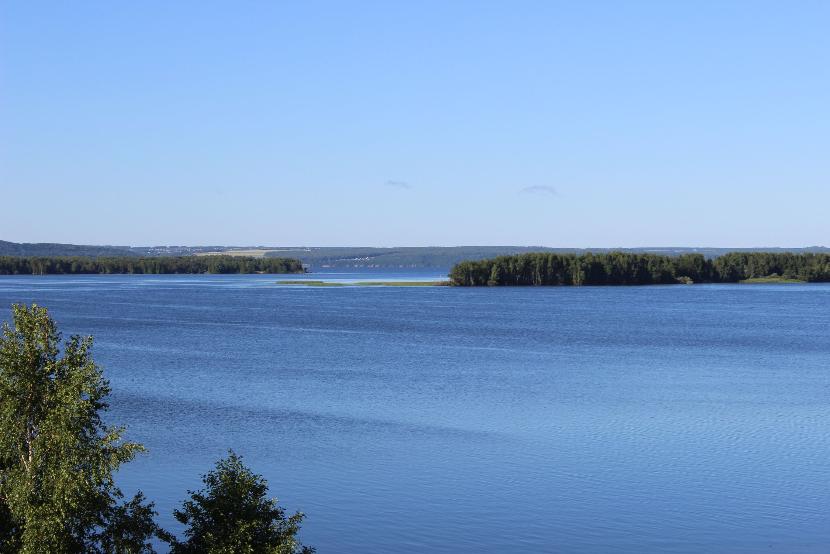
398, 184
539, 189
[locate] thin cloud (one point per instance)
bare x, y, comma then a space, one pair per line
539, 189
398, 184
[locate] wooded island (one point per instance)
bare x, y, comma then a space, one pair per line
620, 268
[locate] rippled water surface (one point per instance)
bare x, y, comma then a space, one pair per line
438, 419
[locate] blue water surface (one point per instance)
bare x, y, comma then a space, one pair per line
442, 419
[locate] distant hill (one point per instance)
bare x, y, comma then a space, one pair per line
317, 258
29, 249
55, 249
440, 257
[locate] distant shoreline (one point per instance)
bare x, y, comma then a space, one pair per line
159, 265
367, 257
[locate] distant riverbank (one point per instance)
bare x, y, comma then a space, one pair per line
73, 265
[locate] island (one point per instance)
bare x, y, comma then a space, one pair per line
624, 268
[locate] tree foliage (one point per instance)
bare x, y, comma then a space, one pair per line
233, 515
57, 457
10, 265
622, 268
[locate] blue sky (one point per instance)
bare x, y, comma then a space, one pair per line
416, 123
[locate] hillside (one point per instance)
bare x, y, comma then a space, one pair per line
447, 257
49, 249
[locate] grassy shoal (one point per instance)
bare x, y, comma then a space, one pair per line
367, 283
770, 279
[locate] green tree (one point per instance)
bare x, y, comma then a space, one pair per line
57, 457
495, 275
233, 515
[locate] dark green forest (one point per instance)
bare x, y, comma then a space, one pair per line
66, 265
622, 268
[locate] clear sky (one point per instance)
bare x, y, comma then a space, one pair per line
416, 123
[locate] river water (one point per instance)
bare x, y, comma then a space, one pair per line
442, 419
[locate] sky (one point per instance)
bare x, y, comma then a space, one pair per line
566, 124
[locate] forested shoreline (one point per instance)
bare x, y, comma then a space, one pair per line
71, 265
621, 268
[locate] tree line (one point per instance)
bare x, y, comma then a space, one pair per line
58, 458
623, 268
68, 265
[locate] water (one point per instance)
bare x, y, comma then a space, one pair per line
653, 419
